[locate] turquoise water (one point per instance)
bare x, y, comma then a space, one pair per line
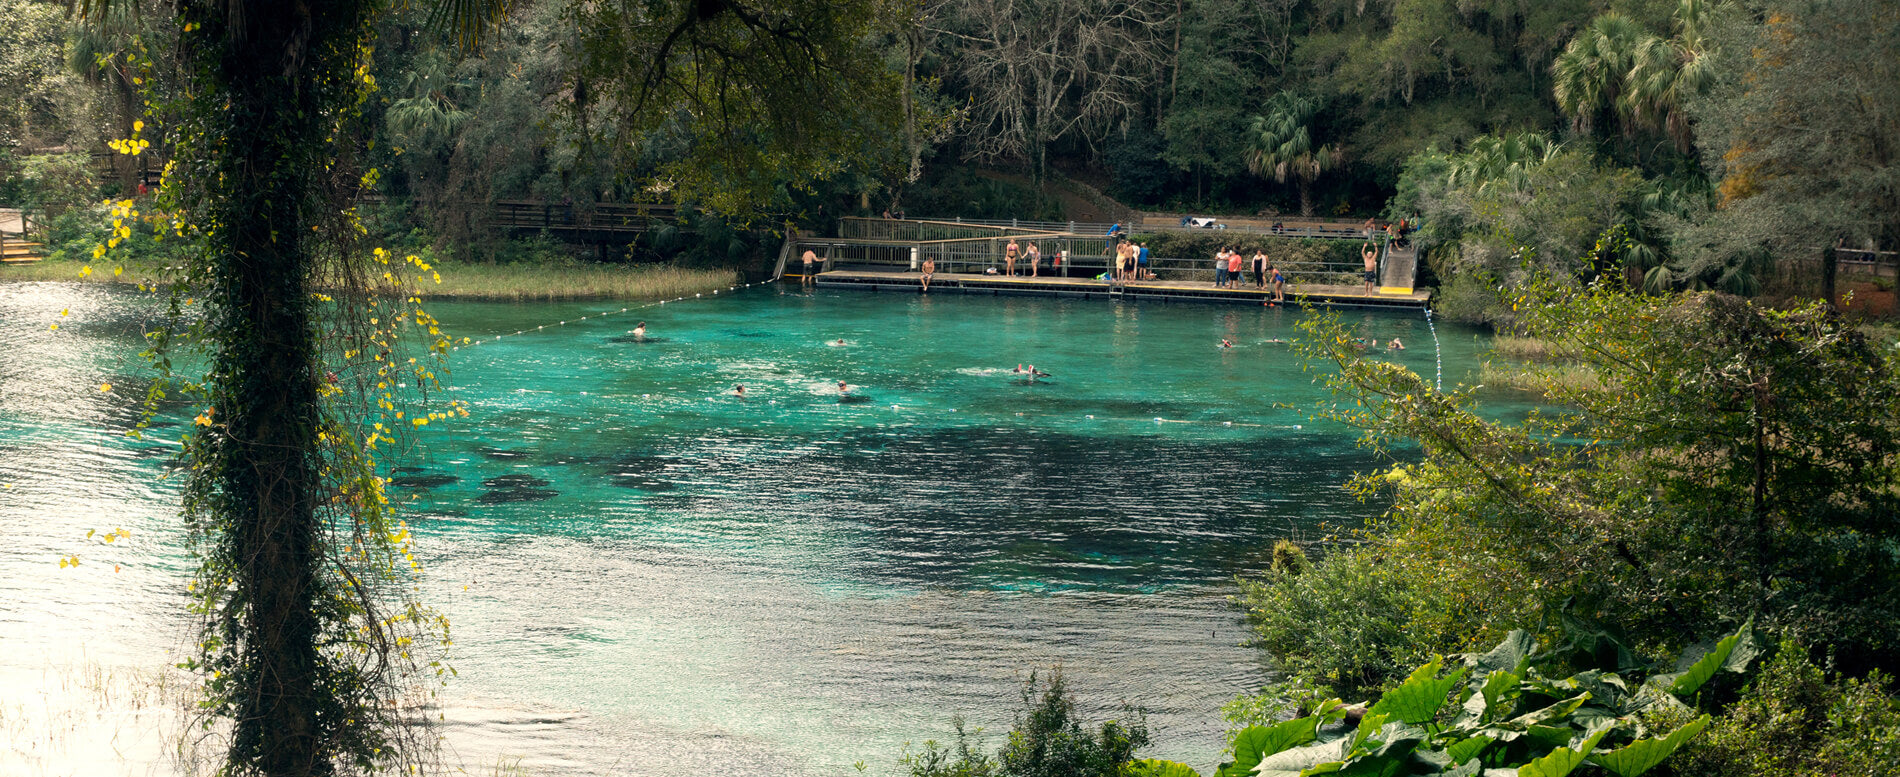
648, 574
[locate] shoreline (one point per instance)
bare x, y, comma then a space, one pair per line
472, 282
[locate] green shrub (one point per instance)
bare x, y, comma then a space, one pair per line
1342, 624
1049, 740
1797, 720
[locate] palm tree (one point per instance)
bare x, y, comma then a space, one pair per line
1503, 160
1617, 68
1589, 78
1281, 142
1664, 73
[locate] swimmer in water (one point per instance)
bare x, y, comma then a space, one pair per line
738, 390
839, 342
1018, 370
640, 331
843, 388
1396, 345
1226, 343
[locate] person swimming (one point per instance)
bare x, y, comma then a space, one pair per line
836, 343
843, 388
639, 331
1226, 343
1395, 345
738, 390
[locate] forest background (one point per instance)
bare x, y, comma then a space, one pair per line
1578, 171
1652, 135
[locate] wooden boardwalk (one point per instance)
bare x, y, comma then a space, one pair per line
1089, 288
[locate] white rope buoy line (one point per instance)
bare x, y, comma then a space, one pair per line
1438, 353
519, 332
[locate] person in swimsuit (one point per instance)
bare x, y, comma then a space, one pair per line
809, 259
640, 331
1395, 345
1371, 255
1035, 260
1279, 284
1226, 343
930, 268
1009, 257
843, 388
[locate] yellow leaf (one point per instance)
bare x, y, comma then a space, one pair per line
105, 387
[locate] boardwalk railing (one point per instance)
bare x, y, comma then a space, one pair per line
1088, 257
938, 229
596, 217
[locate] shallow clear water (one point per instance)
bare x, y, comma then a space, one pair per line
668, 578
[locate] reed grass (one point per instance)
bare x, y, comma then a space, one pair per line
515, 282
1541, 379
1531, 349
562, 281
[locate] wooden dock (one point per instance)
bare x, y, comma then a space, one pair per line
1089, 288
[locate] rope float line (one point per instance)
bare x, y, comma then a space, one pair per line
519, 332
1438, 353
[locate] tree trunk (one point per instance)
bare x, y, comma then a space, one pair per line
1306, 197
272, 129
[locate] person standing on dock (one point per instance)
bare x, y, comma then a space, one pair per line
1279, 284
1220, 268
1141, 264
930, 268
1260, 268
1061, 262
1009, 257
1035, 260
809, 259
1233, 270
1371, 255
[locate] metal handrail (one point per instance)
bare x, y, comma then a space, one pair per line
978, 255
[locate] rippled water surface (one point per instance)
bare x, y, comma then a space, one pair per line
648, 575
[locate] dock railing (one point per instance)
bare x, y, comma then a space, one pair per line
1088, 258
940, 229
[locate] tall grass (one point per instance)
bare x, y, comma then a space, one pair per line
1531, 349
1540, 379
518, 282
561, 281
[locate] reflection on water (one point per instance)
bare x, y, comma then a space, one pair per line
647, 573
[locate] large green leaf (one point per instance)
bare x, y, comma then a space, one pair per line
1554, 712
1257, 742
1466, 749
1561, 761
1418, 699
1687, 681
1155, 767
1299, 760
1511, 655
1643, 755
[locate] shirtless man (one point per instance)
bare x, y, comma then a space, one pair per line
809, 259
1371, 255
843, 388
930, 268
1009, 257
738, 390
640, 331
